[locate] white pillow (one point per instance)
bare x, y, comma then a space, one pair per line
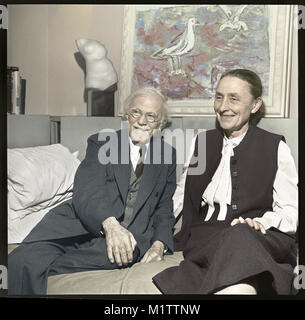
39, 177
37, 208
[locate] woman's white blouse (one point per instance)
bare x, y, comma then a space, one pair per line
285, 191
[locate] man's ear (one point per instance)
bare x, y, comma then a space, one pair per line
257, 104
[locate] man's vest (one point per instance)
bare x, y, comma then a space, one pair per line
133, 189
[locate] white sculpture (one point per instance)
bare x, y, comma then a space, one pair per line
100, 73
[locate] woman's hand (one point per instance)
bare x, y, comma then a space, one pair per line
251, 223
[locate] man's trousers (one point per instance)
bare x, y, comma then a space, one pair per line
30, 264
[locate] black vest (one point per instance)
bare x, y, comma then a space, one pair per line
253, 170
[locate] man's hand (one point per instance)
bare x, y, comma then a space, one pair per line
252, 223
154, 253
119, 241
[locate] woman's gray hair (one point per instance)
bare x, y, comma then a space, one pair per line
150, 92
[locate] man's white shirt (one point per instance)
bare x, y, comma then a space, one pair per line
135, 154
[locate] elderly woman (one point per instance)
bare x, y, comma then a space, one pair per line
240, 215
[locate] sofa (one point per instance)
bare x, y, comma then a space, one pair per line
73, 133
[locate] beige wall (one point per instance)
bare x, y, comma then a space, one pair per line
66, 24
27, 47
41, 41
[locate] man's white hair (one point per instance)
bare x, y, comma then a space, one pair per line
150, 92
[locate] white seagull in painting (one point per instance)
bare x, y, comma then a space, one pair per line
233, 21
180, 45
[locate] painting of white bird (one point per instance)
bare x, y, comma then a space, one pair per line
184, 49
182, 44
233, 19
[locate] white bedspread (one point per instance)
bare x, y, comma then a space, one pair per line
18, 229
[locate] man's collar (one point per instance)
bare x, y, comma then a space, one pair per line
136, 146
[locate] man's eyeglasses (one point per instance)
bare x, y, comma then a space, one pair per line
137, 113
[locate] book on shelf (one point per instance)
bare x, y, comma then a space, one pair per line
10, 71
16, 91
23, 95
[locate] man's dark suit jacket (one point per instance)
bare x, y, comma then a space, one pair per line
100, 191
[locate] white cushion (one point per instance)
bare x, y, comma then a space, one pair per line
39, 177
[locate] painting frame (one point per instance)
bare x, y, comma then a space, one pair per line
280, 46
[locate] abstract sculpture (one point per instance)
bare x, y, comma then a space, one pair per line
100, 73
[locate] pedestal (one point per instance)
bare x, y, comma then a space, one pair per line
101, 102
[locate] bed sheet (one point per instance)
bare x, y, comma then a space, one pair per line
18, 229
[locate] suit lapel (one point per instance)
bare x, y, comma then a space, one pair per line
151, 173
149, 179
122, 169
122, 177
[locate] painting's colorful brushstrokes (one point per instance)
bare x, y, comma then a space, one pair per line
184, 49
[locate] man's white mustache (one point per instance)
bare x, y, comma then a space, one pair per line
142, 128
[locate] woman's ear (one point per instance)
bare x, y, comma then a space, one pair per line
257, 104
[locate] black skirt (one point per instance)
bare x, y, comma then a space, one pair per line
218, 255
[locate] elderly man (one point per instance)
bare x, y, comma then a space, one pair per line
121, 212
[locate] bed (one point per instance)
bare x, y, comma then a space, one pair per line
43, 155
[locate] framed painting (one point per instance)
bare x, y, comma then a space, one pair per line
183, 50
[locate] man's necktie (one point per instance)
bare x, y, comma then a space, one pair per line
140, 164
